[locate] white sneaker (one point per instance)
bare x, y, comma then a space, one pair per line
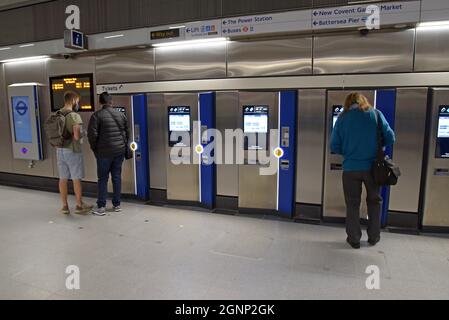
117, 209
99, 212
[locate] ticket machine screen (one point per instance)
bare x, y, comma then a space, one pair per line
337, 110
255, 127
22, 119
443, 133
255, 119
179, 126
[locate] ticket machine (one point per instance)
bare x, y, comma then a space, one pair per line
25, 121
334, 203
436, 200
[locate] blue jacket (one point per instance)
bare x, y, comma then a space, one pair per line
355, 138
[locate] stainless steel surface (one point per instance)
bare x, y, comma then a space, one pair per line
128, 176
5, 132
436, 202
183, 180
258, 191
25, 73
199, 61
310, 148
125, 66
158, 137
334, 202
300, 82
227, 111
281, 57
432, 49
57, 67
410, 129
353, 53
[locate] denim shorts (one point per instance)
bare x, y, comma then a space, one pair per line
70, 164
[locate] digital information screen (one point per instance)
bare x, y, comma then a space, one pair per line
81, 84
337, 110
443, 133
255, 119
179, 125
22, 119
255, 127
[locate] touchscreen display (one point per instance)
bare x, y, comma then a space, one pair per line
443, 133
255, 119
22, 119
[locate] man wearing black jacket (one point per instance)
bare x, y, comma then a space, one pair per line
108, 137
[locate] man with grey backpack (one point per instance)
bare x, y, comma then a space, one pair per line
64, 132
109, 140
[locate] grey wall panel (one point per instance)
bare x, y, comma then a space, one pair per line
168, 11
432, 49
5, 132
311, 140
16, 26
57, 67
191, 62
158, 141
270, 58
237, 7
125, 66
227, 114
24, 73
410, 128
353, 53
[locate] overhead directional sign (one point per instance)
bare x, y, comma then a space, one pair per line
203, 30
269, 23
358, 15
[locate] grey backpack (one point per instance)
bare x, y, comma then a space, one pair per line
55, 129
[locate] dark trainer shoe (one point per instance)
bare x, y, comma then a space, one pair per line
353, 245
373, 242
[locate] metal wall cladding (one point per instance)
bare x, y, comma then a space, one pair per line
410, 129
375, 53
5, 132
283, 57
125, 66
201, 61
432, 49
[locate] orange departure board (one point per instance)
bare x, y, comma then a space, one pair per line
81, 84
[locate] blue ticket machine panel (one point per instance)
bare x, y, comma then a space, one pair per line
442, 149
25, 122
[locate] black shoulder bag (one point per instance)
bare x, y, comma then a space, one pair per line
385, 172
128, 151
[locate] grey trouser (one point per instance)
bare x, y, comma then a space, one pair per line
352, 186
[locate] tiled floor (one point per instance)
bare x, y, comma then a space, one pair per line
162, 253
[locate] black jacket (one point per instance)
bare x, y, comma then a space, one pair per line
108, 138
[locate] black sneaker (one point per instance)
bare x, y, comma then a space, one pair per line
353, 245
374, 242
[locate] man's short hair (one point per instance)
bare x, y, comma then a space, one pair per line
70, 97
105, 98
